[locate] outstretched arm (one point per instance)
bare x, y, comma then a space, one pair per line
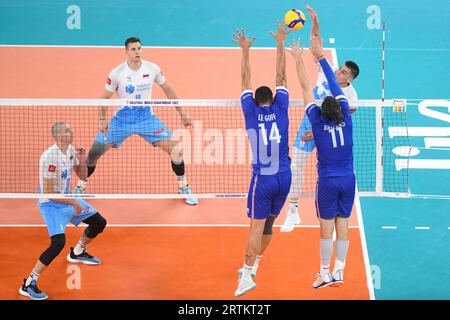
315, 30
245, 44
280, 36
302, 73
317, 51
170, 94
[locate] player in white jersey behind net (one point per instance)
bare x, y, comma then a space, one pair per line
55, 171
133, 79
304, 141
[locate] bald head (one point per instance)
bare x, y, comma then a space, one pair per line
61, 132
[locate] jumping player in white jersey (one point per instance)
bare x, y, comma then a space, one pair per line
332, 128
55, 171
304, 142
133, 79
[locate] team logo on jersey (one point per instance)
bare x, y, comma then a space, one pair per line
51, 168
146, 75
108, 81
159, 131
129, 88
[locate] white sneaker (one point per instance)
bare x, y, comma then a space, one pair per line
292, 218
338, 278
244, 285
323, 281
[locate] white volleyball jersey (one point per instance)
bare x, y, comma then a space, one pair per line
134, 84
322, 89
57, 165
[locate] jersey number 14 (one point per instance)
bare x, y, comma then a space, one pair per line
274, 133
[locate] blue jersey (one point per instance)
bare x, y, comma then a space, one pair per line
334, 142
267, 129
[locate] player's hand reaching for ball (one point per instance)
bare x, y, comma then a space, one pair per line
282, 32
241, 38
295, 49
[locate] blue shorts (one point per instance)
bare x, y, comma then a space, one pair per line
335, 196
267, 194
127, 122
305, 146
57, 215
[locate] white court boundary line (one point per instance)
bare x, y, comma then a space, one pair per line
151, 225
362, 233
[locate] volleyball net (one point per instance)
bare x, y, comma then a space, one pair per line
215, 148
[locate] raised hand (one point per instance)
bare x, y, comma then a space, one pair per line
312, 13
282, 32
317, 47
295, 49
241, 38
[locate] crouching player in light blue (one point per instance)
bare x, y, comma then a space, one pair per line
55, 170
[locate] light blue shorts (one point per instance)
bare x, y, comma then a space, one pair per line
128, 121
57, 215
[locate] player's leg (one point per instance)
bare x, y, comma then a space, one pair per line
157, 134
282, 183
327, 208
259, 204
118, 131
348, 188
173, 149
265, 241
298, 163
96, 224
56, 217
253, 248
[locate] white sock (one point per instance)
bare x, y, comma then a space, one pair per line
338, 265
258, 258
33, 276
79, 248
82, 183
247, 271
324, 269
293, 207
182, 181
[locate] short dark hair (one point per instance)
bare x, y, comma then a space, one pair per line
354, 69
263, 95
331, 109
131, 40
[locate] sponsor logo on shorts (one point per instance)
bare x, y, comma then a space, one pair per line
159, 131
108, 81
146, 75
51, 168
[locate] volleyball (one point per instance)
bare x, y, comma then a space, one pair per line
294, 19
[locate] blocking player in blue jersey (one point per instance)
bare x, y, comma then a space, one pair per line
267, 123
336, 183
304, 142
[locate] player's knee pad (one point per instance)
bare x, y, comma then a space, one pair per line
268, 225
96, 225
95, 152
178, 168
56, 245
